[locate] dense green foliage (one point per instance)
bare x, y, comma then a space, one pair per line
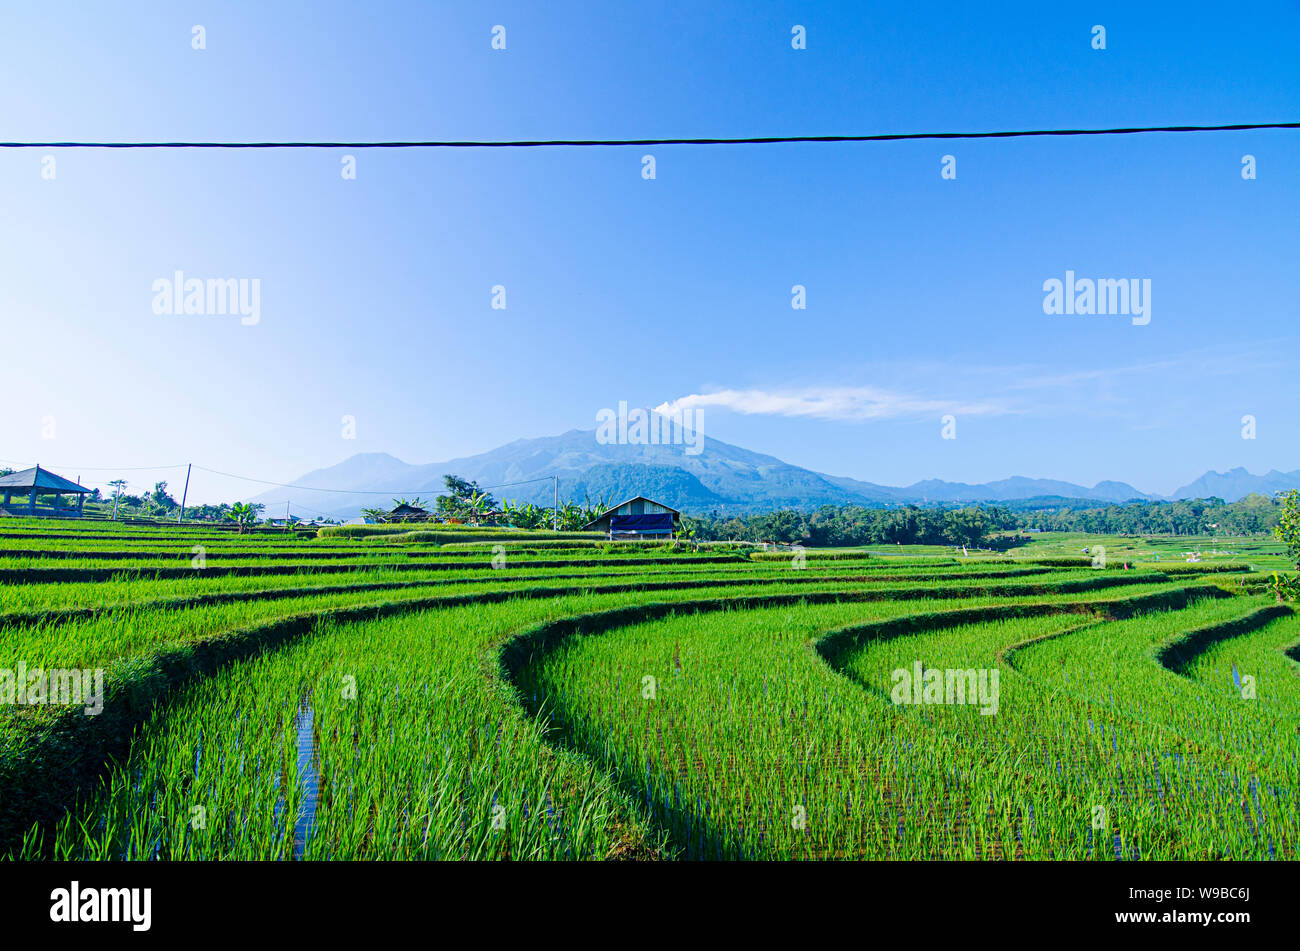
833, 525
1252, 515
975, 526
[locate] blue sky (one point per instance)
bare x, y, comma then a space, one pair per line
924, 295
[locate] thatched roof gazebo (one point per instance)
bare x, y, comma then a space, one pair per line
37, 481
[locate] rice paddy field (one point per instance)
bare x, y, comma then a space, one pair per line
498, 695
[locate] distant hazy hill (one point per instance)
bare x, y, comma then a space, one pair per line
722, 478
1018, 487
721, 475
1238, 483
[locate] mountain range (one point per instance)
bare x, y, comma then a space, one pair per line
722, 478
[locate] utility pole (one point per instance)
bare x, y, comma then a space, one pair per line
186, 494
555, 520
286, 515
118, 485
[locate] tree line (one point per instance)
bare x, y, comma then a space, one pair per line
1253, 515
466, 501
849, 525
157, 503
986, 526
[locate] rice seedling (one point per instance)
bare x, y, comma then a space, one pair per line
392, 694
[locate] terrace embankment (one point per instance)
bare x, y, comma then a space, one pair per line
760, 720
1179, 654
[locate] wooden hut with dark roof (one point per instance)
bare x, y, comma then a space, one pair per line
405, 512
636, 518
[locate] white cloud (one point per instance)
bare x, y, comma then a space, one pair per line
840, 403
1021, 390
1063, 380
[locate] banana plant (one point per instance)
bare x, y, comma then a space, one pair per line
570, 517
590, 512
526, 516
243, 514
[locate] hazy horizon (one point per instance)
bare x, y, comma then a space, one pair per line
925, 296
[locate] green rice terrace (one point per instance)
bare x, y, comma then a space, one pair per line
363, 693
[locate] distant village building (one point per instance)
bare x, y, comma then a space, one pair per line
31, 483
293, 521
636, 518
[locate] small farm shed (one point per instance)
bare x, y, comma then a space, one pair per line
408, 513
636, 518
37, 481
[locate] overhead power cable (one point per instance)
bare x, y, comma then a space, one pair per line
554, 143
65, 465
